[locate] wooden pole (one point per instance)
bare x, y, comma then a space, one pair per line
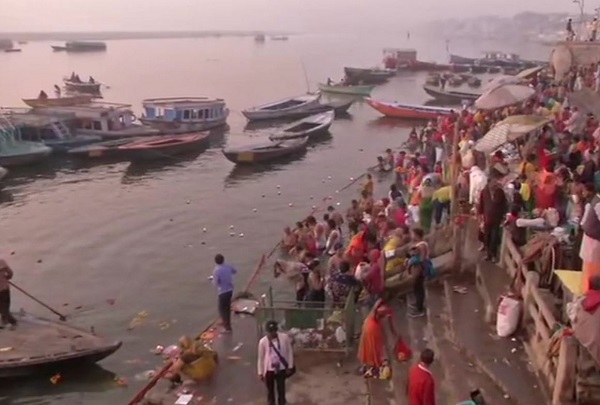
457, 246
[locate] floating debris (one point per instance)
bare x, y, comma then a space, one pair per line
204, 230
146, 375
231, 227
291, 204
164, 325
121, 382
254, 210
158, 350
56, 378
241, 235
237, 347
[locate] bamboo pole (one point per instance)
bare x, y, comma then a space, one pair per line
454, 208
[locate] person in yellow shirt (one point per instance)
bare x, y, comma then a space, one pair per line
441, 201
478, 118
369, 185
527, 167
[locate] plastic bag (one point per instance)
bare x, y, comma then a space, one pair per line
403, 351
509, 312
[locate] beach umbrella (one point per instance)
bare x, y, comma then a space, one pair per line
501, 80
527, 73
503, 96
508, 130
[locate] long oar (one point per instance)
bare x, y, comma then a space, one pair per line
60, 316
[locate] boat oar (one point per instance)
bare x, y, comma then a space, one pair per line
60, 316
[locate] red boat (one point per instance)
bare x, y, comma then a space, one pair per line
164, 146
408, 111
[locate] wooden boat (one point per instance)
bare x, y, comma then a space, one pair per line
11, 50
354, 90
282, 108
339, 107
368, 76
64, 347
58, 102
164, 146
265, 152
461, 60
309, 126
420, 66
82, 87
102, 150
448, 95
184, 115
408, 111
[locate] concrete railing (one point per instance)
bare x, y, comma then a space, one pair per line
539, 321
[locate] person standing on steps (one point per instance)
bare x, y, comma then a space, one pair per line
223, 280
6, 274
275, 362
421, 385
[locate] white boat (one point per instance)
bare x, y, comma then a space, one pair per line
184, 114
16, 152
107, 120
51, 130
282, 108
309, 126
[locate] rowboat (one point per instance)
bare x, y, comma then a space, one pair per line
82, 87
309, 126
65, 347
80, 46
368, 76
282, 108
102, 150
451, 96
408, 111
58, 102
11, 50
164, 146
355, 90
266, 152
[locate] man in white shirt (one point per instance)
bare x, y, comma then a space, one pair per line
275, 362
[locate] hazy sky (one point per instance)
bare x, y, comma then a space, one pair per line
292, 15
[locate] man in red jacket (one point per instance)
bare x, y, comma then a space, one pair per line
421, 386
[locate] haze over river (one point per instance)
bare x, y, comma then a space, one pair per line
134, 233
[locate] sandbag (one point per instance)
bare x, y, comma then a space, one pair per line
508, 314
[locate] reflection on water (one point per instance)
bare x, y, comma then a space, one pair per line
143, 169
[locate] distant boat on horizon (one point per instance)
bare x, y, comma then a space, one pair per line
80, 46
279, 38
259, 38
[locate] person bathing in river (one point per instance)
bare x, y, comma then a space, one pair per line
6, 274
289, 239
315, 296
336, 216
334, 237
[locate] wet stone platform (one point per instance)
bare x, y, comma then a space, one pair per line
321, 378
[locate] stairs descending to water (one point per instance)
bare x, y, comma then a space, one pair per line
61, 130
469, 355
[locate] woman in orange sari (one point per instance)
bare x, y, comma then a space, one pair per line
371, 350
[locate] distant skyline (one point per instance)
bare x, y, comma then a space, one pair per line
278, 15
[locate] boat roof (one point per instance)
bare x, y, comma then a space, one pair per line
95, 106
28, 118
181, 102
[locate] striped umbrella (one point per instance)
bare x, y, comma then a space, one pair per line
509, 130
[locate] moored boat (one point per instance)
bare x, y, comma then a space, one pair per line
353, 90
368, 76
265, 152
282, 108
65, 347
3, 173
11, 50
184, 114
449, 95
408, 111
102, 150
164, 146
309, 126
16, 152
58, 101
107, 120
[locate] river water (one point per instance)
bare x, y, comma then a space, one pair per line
79, 236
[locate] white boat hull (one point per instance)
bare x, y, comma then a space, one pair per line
264, 113
172, 127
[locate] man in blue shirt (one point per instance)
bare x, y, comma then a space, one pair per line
223, 280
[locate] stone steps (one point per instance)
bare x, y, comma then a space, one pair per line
468, 353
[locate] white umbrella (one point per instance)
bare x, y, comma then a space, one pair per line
503, 96
501, 80
509, 130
